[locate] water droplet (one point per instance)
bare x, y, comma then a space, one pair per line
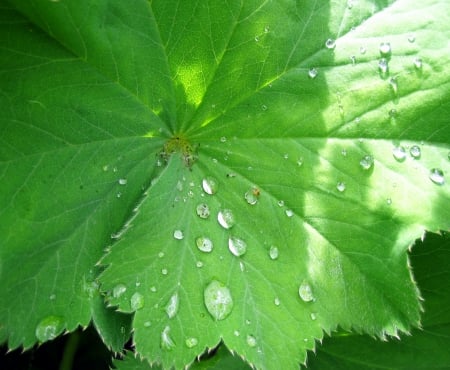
119, 290
273, 252
362, 50
164, 271
153, 289
210, 185
437, 176
411, 38
237, 246
418, 63
415, 152
313, 316
313, 72
52, 297
137, 301
394, 85
147, 324
226, 218
49, 328
178, 234
223, 139
119, 194
247, 322
264, 107
203, 210
366, 162
251, 196
385, 49
236, 333
218, 300
105, 168
251, 340
281, 203
276, 301
122, 181
305, 292
161, 254
204, 244
393, 113
330, 44
399, 153
353, 60
257, 38
300, 162
199, 264
191, 342
388, 201
167, 342
114, 169
344, 152
172, 306
383, 66
350, 4
289, 212
340, 186
286, 156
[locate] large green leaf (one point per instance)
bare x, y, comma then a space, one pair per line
116, 117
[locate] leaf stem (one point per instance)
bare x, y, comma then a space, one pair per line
69, 351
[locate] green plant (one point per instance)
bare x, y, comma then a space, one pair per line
252, 172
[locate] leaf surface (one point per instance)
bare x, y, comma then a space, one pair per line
119, 121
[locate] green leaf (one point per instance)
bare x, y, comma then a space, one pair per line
117, 119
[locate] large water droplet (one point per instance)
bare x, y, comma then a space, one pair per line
167, 342
49, 328
172, 306
203, 210
118, 290
210, 185
437, 176
204, 244
137, 301
273, 252
313, 72
340, 186
305, 292
251, 196
415, 152
399, 153
218, 300
330, 44
237, 246
191, 342
366, 162
385, 49
251, 340
178, 234
226, 218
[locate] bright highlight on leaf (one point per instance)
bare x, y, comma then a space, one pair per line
249, 173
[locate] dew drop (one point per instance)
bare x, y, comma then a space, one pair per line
383, 66
226, 218
237, 246
191, 342
350, 4
330, 44
164, 271
276, 301
52, 297
305, 292
313, 316
223, 139
137, 301
437, 176
411, 38
204, 244
209, 185
167, 342
418, 63
122, 181
257, 38
415, 152
119, 194
178, 234
251, 196
105, 168
203, 211
266, 29
388, 201
172, 306
199, 264
366, 162
251, 341
340, 186
300, 162
49, 328
362, 50
313, 72
344, 152
119, 290
353, 60
147, 324
273, 252
218, 300
385, 49
280, 203
399, 153
236, 333
394, 85
153, 289
393, 113
264, 107
289, 213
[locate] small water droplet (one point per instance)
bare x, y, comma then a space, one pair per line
237, 246
191, 342
305, 292
161, 254
313, 72
418, 63
164, 271
313, 316
114, 169
210, 185
415, 152
276, 301
300, 162
399, 153
286, 156
280, 203
273, 252
204, 244
226, 218
385, 49
202, 210
105, 167
411, 38
366, 162
137, 301
437, 176
52, 297
247, 322
388, 201
223, 139
236, 333
122, 181
394, 85
251, 340
153, 289
350, 4
199, 264
172, 306
393, 113
147, 324
289, 212
330, 44
264, 107
119, 194
257, 38
178, 234
251, 196
344, 152
167, 342
362, 50
266, 29
119, 290
49, 328
218, 300
383, 66
340, 186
